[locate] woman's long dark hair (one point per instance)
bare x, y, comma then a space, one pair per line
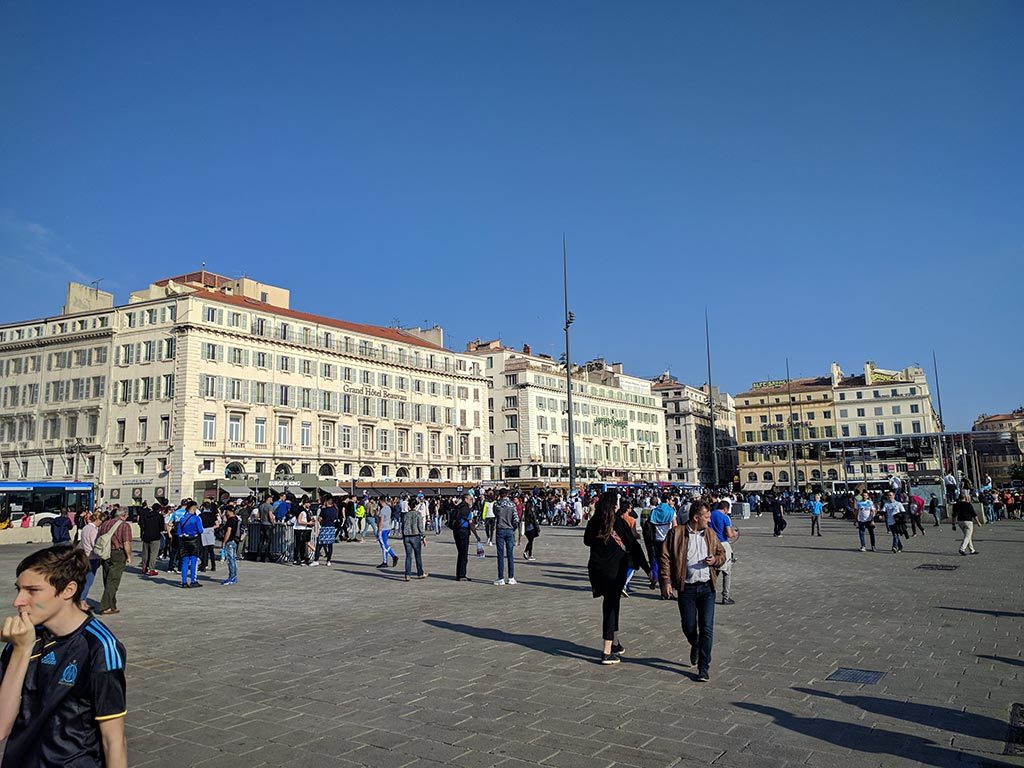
605, 511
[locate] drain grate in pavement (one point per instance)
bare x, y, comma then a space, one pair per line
936, 567
1015, 736
862, 676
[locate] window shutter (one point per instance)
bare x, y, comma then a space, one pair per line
219, 388
135, 391
245, 391
220, 317
220, 353
245, 356
158, 382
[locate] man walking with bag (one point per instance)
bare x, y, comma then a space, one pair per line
114, 550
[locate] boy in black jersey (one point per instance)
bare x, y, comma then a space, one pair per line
62, 692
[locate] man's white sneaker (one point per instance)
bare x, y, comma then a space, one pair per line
499, 583
512, 581
862, 549
314, 564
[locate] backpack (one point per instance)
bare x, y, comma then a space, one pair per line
102, 547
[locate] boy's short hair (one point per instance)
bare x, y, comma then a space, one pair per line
60, 566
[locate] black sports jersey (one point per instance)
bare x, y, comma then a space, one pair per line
72, 684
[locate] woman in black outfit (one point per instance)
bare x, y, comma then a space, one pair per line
531, 525
613, 546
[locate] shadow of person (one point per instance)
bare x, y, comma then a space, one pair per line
985, 612
923, 714
866, 740
552, 646
1004, 659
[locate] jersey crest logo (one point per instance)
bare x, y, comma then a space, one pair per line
49, 659
69, 675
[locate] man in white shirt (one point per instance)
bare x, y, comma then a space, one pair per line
893, 511
866, 520
689, 561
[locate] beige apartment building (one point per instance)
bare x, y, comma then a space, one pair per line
618, 422
999, 444
856, 429
203, 382
688, 432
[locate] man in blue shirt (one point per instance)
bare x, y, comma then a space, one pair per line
721, 524
174, 550
815, 506
663, 518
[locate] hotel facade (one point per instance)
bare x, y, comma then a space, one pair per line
850, 430
203, 382
618, 421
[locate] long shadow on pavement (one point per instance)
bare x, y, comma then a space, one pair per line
984, 612
1004, 659
875, 741
922, 714
552, 646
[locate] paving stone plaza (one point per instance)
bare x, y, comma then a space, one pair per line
349, 665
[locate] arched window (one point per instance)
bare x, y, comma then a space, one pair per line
768, 476
234, 468
833, 475
815, 474
283, 469
402, 472
326, 470
783, 476
752, 477
435, 474
366, 472
800, 476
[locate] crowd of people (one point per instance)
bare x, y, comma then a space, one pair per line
682, 540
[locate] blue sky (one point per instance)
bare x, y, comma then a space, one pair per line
835, 181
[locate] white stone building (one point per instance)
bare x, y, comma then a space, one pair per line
619, 424
201, 379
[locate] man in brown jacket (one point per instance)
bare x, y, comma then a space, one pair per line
689, 562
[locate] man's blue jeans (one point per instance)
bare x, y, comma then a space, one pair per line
697, 615
231, 558
506, 543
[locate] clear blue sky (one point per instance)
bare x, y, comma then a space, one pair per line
834, 180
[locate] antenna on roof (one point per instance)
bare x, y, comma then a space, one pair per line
396, 322
96, 283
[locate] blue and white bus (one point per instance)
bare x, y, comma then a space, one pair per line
43, 500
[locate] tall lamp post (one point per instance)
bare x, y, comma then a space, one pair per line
569, 317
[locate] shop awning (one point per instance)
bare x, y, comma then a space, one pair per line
235, 489
292, 489
331, 489
758, 486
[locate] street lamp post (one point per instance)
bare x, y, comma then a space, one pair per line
569, 317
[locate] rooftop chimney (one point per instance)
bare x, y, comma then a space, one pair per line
527, 350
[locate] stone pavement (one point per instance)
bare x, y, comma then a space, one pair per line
348, 665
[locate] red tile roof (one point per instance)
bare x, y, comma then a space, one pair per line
203, 277
392, 334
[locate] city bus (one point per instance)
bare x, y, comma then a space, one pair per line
43, 500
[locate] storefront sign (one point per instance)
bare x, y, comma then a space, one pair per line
138, 481
878, 377
768, 384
